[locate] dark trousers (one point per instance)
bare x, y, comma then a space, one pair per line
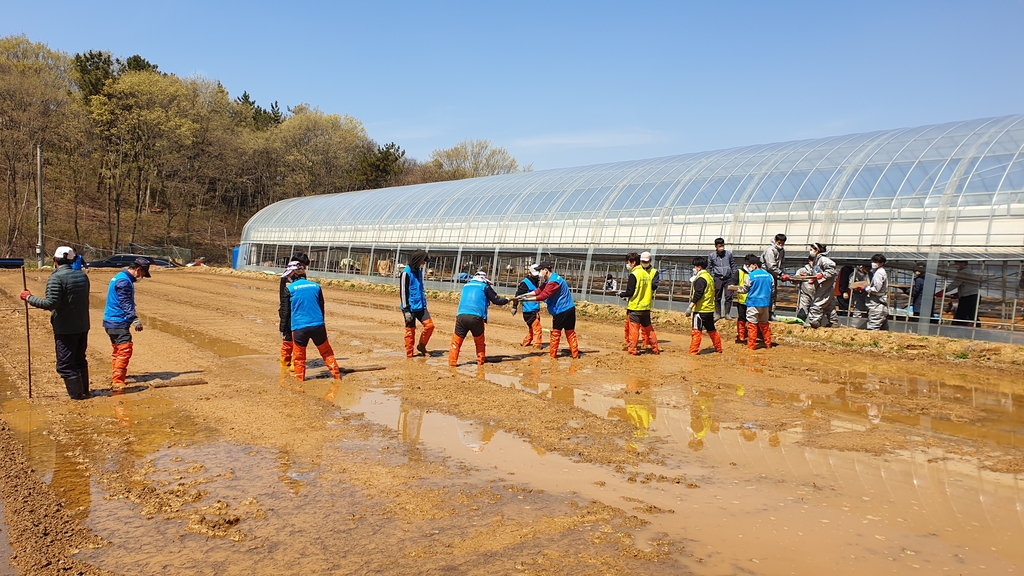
641, 317
965, 311
529, 317
302, 336
720, 291
564, 320
469, 324
421, 315
71, 348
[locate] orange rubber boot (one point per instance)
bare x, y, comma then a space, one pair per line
453, 353
631, 340
766, 329
574, 344
299, 363
741, 331
695, 338
556, 335
716, 340
410, 341
428, 331
286, 354
537, 333
752, 335
529, 335
652, 338
327, 353
625, 330
481, 349
121, 355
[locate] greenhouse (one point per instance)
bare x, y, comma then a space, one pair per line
924, 197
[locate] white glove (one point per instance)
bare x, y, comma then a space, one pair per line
137, 324
408, 317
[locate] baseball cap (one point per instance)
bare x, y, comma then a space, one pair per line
544, 265
645, 257
65, 252
534, 270
143, 264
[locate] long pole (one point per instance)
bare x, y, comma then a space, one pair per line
28, 339
39, 202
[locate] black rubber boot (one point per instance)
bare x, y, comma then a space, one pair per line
84, 373
75, 388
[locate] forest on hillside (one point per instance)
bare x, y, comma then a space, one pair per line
133, 155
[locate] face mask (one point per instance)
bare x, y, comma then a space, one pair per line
874, 265
696, 271
812, 253
781, 245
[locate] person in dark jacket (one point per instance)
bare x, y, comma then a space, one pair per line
477, 296
917, 296
298, 262
531, 310
119, 316
773, 261
721, 266
639, 295
842, 290
702, 306
308, 323
67, 298
414, 304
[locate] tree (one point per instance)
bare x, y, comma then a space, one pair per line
318, 151
136, 63
378, 166
92, 70
472, 159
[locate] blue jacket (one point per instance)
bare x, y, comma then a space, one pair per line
414, 298
120, 309
563, 297
530, 287
759, 294
78, 263
307, 301
476, 297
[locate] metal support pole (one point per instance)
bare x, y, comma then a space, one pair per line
977, 305
586, 274
39, 203
928, 295
494, 265
28, 338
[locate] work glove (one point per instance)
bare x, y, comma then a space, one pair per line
859, 289
25, 294
937, 294
689, 310
515, 310
137, 324
408, 317
785, 277
819, 277
846, 295
284, 335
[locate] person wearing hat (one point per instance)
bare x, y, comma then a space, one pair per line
878, 294
471, 317
639, 294
67, 299
298, 262
531, 310
758, 286
555, 291
414, 304
823, 303
308, 323
119, 316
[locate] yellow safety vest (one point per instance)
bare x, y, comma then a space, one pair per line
741, 298
707, 301
642, 296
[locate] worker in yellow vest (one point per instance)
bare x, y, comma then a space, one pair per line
739, 278
702, 306
639, 294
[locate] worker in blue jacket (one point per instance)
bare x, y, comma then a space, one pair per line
477, 296
119, 316
531, 310
307, 323
414, 304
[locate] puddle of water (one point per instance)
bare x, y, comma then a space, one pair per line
219, 346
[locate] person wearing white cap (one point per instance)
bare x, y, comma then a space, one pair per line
531, 310
477, 296
297, 263
639, 294
67, 298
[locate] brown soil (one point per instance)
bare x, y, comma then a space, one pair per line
230, 463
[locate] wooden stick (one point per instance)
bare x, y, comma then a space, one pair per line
369, 368
177, 382
28, 338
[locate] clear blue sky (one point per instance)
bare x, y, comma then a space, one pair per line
573, 83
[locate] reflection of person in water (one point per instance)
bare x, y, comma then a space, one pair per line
748, 433
874, 413
773, 439
474, 434
343, 395
700, 421
410, 422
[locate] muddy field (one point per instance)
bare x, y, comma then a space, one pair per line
835, 452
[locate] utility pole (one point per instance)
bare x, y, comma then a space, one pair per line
39, 202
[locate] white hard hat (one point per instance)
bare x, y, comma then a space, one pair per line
645, 256
65, 252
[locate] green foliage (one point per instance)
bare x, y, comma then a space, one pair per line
378, 166
961, 355
473, 159
92, 70
136, 63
